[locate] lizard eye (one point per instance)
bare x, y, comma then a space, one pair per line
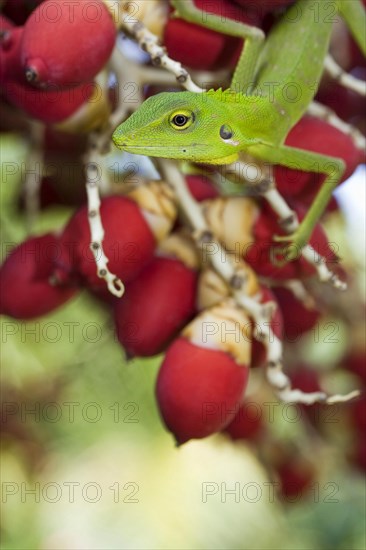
226, 132
181, 120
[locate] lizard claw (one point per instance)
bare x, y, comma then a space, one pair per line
292, 251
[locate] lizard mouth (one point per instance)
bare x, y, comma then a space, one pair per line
197, 152
161, 149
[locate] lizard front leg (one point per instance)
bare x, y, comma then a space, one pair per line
300, 159
244, 75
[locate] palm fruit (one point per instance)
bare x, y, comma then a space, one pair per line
160, 301
66, 44
25, 288
204, 373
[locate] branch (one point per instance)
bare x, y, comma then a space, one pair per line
345, 79
149, 43
114, 284
325, 113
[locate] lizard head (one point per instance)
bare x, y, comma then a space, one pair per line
181, 125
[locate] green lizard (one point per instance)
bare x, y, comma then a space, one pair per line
274, 82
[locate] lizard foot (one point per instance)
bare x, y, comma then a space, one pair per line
291, 251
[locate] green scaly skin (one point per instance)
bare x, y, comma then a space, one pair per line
273, 84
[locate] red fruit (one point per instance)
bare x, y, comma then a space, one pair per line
356, 363
204, 49
259, 253
259, 352
358, 455
25, 289
247, 423
201, 187
297, 317
358, 413
357, 58
296, 477
313, 134
10, 39
49, 106
155, 306
128, 243
198, 390
5, 25
65, 44
347, 104
307, 380
19, 10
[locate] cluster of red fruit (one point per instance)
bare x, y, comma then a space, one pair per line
174, 302
47, 68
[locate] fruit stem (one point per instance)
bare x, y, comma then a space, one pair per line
345, 79
324, 113
115, 285
33, 174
